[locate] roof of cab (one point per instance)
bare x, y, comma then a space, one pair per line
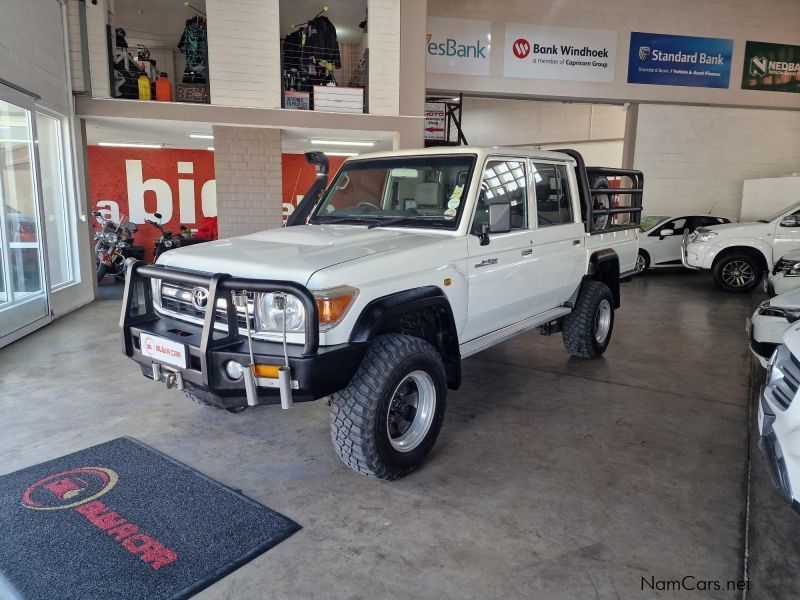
480, 151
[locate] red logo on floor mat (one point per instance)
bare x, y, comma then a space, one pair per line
79, 489
69, 489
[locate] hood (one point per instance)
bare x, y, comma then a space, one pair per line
733, 229
291, 253
790, 299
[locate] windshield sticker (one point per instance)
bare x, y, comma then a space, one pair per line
454, 203
456, 195
450, 214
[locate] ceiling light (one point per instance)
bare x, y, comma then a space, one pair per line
210, 148
341, 154
342, 143
202, 136
129, 145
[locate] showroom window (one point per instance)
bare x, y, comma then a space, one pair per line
504, 180
56, 198
553, 204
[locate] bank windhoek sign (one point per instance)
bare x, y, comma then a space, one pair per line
569, 53
459, 46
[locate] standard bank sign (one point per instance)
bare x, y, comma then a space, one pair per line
679, 60
460, 46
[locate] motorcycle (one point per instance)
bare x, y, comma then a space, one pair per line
169, 239
113, 245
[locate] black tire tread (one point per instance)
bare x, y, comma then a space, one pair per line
355, 409
716, 271
578, 326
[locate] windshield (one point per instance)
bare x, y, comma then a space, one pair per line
420, 191
780, 213
650, 222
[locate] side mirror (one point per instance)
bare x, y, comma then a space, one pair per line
500, 217
790, 221
96, 213
157, 216
666, 233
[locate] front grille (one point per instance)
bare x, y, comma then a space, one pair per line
786, 388
177, 299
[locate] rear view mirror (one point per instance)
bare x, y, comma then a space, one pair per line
404, 173
667, 232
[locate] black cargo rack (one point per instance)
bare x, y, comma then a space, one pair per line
138, 307
590, 212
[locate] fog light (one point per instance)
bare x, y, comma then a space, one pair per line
234, 370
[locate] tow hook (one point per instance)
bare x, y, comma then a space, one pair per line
172, 379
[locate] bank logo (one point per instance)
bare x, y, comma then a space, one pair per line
200, 298
644, 53
521, 48
69, 489
758, 66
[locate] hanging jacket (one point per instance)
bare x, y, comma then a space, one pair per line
322, 42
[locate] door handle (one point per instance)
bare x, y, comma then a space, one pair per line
527, 252
486, 262
576, 242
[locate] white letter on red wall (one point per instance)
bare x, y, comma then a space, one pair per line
136, 191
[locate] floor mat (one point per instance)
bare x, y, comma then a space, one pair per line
121, 520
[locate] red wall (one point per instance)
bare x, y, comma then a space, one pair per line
108, 182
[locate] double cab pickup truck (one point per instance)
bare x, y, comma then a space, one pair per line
383, 282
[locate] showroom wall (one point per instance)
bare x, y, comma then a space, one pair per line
32, 44
596, 130
696, 158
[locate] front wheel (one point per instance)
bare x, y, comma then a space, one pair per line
737, 273
642, 262
387, 419
587, 329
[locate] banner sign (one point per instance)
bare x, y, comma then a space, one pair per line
771, 67
460, 46
435, 121
539, 52
679, 60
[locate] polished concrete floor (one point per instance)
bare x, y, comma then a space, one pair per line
553, 477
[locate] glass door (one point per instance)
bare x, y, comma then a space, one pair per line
23, 280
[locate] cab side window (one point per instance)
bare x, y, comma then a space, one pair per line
504, 181
553, 201
678, 225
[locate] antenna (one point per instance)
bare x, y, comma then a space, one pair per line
190, 5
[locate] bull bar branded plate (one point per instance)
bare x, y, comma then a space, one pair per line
121, 520
163, 350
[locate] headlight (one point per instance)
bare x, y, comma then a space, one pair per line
111, 238
704, 236
167, 244
765, 309
788, 268
776, 362
332, 306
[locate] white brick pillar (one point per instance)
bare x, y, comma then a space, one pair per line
383, 39
247, 161
244, 53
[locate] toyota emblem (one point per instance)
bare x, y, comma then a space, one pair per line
200, 298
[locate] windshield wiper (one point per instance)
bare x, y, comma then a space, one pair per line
385, 222
359, 219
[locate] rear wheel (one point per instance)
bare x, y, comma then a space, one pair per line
740, 272
387, 419
642, 262
587, 329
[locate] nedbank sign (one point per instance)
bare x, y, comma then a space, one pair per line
771, 67
460, 46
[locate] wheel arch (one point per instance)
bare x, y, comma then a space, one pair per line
755, 251
604, 266
423, 312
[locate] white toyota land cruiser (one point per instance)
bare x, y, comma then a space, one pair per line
738, 254
378, 288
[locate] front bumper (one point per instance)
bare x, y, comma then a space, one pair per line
694, 256
777, 283
315, 371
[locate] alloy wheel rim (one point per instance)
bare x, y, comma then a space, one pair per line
411, 411
737, 274
640, 263
602, 321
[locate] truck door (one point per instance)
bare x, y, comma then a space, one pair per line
502, 280
559, 241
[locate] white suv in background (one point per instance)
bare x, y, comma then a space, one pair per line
769, 323
661, 238
779, 417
